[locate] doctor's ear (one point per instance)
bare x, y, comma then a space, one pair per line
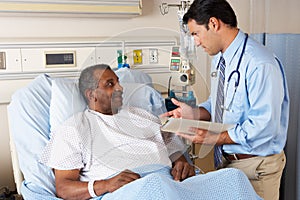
213, 23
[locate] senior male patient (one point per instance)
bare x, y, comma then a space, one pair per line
102, 149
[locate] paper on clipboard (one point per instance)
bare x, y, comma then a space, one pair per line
183, 125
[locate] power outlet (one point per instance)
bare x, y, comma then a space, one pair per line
153, 56
137, 57
2, 60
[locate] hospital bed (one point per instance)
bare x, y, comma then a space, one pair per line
46, 102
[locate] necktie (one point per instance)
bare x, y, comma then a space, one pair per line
219, 109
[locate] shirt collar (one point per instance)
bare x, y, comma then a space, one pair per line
233, 47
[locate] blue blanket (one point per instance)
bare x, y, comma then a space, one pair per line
225, 184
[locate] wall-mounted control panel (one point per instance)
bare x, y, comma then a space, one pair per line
60, 59
24, 60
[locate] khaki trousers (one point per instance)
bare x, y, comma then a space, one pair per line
264, 173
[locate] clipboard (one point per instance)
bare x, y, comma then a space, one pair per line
183, 125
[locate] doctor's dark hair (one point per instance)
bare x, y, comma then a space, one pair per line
88, 80
202, 10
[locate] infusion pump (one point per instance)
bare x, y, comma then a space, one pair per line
183, 73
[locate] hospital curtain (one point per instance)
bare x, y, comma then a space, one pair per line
287, 48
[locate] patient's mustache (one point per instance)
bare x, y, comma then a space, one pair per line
117, 93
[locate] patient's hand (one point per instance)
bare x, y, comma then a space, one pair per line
182, 169
121, 179
68, 185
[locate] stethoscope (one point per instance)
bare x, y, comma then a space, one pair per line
237, 80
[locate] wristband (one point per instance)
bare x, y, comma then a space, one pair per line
91, 188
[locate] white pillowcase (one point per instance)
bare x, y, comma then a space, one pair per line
127, 75
66, 100
143, 96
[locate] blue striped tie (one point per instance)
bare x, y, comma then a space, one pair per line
219, 109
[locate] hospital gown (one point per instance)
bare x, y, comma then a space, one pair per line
103, 145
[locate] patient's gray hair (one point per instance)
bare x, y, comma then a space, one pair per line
87, 80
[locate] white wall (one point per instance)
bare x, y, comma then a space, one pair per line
28, 27
272, 16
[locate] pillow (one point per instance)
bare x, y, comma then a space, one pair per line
127, 75
28, 115
139, 91
66, 100
143, 96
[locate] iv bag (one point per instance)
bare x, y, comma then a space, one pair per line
187, 44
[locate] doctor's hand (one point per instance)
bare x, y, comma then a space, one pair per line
182, 169
183, 111
203, 136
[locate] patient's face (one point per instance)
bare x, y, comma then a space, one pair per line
108, 95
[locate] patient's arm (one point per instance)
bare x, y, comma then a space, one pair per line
68, 185
181, 169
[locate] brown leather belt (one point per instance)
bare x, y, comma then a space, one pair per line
231, 157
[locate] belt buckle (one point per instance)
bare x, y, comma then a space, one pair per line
235, 156
230, 157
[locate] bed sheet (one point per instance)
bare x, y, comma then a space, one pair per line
28, 114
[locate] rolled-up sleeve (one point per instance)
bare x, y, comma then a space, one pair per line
206, 104
259, 122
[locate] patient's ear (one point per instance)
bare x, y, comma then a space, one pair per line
90, 95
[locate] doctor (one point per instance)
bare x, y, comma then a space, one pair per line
248, 89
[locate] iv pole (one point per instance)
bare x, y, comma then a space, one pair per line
183, 8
